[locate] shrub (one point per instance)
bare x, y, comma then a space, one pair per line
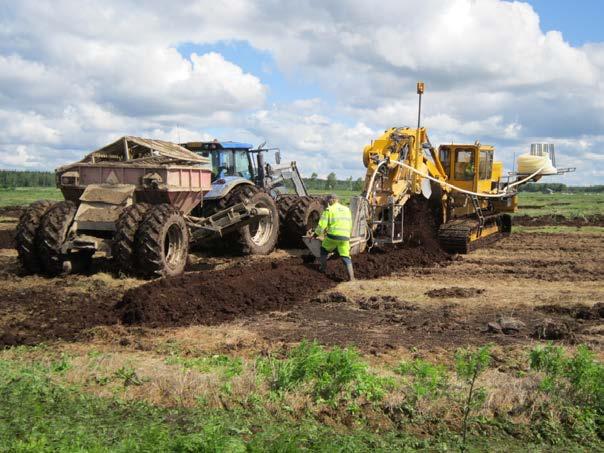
329, 373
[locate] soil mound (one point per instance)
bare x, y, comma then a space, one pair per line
217, 296
7, 239
557, 219
11, 211
455, 291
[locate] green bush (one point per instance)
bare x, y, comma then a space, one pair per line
339, 372
428, 380
579, 377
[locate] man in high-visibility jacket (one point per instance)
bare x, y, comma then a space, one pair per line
336, 224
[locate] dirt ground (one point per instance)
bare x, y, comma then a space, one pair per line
521, 289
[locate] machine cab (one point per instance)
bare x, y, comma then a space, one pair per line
469, 167
227, 158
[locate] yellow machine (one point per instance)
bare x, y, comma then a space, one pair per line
457, 191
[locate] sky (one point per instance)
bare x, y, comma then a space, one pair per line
319, 80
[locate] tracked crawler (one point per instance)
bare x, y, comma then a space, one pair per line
467, 197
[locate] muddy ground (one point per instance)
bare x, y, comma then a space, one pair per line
522, 289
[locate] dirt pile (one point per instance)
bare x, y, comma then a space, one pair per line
52, 312
455, 291
7, 239
557, 219
217, 296
11, 211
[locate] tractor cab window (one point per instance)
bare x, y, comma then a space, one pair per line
464, 165
485, 167
229, 162
445, 159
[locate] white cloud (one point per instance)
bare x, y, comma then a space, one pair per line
74, 75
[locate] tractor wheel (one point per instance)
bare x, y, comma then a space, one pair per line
126, 227
52, 235
304, 215
162, 242
27, 230
284, 203
260, 237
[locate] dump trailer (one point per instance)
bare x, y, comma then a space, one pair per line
133, 200
456, 193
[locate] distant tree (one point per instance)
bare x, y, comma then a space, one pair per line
331, 182
349, 183
358, 184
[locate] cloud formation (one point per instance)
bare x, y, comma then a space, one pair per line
74, 75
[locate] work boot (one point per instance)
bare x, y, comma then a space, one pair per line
323, 264
350, 271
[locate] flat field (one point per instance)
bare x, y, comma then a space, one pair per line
264, 353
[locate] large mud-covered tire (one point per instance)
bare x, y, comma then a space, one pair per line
284, 204
162, 242
126, 227
25, 237
52, 235
304, 215
260, 237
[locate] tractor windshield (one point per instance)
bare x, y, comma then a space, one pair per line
229, 162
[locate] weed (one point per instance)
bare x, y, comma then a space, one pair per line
469, 365
428, 380
129, 376
579, 377
229, 366
330, 374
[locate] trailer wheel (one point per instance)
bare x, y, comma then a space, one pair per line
260, 237
303, 216
162, 243
126, 227
52, 235
25, 237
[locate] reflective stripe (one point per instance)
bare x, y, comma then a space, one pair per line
338, 238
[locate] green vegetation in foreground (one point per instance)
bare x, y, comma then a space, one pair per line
563, 406
23, 196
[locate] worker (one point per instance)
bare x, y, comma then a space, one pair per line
336, 225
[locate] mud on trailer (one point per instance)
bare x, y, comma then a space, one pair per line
132, 200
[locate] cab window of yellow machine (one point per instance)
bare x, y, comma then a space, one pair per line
464, 165
445, 160
485, 169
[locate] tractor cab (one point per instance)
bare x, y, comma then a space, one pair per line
227, 158
470, 167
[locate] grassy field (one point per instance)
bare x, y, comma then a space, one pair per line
26, 195
568, 205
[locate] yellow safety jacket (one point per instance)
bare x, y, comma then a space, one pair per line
336, 222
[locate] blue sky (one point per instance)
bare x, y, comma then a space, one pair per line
320, 80
580, 21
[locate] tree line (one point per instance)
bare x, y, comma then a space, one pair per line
10, 179
333, 183
559, 187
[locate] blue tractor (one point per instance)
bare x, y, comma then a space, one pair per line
239, 173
